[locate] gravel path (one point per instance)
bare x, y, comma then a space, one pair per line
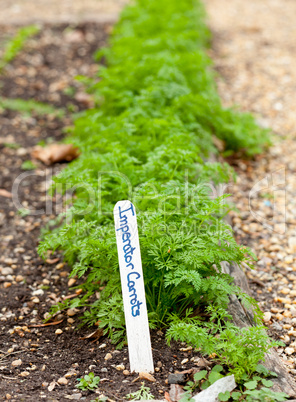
253, 49
57, 11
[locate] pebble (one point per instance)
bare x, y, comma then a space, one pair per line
24, 374
126, 372
71, 282
289, 351
267, 316
35, 300
58, 332
184, 361
6, 271
103, 345
71, 374
71, 312
104, 370
108, 356
19, 278
16, 363
120, 367
292, 243
6, 285
74, 396
62, 381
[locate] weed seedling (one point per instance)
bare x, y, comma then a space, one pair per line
142, 394
88, 382
28, 165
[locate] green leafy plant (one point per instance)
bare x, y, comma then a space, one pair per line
142, 394
201, 380
11, 145
88, 382
148, 140
30, 106
28, 165
23, 212
16, 44
239, 349
254, 388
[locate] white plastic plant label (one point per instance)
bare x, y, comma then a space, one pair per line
133, 290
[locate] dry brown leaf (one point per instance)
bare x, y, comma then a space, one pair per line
167, 396
176, 392
52, 260
55, 153
5, 193
85, 99
146, 376
96, 334
45, 325
69, 296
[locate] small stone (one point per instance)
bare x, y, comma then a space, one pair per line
6, 271
35, 300
108, 356
267, 316
74, 396
16, 363
289, 351
178, 378
71, 282
62, 381
159, 364
6, 285
274, 310
104, 370
285, 291
71, 312
120, 367
58, 332
71, 374
102, 346
146, 376
186, 349
279, 317
287, 314
126, 372
70, 320
292, 244
43, 367
38, 292
19, 278
8, 396
51, 386
24, 374
276, 326
184, 361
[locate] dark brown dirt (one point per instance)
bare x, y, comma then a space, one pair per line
44, 71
